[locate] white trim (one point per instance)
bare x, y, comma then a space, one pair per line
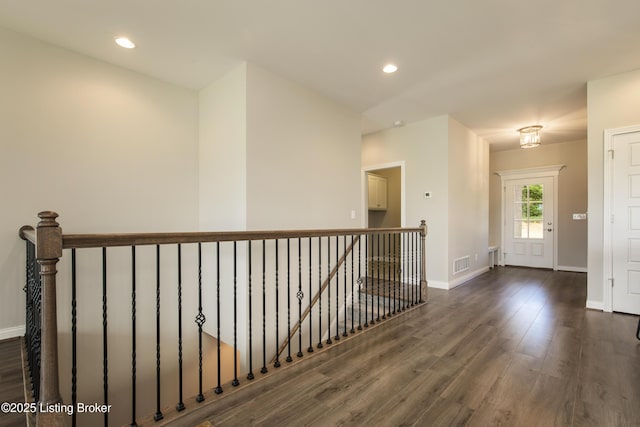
538, 172
16, 331
607, 252
595, 305
574, 269
365, 191
553, 172
457, 282
463, 279
437, 285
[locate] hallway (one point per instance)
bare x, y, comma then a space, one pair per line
513, 347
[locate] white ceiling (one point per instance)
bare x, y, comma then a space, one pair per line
494, 65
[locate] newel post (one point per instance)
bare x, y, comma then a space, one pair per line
423, 266
48, 252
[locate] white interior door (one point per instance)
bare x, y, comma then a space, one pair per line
625, 222
529, 224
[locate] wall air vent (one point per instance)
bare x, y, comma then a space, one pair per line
461, 264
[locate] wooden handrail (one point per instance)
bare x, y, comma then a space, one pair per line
140, 239
315, 299
28, 233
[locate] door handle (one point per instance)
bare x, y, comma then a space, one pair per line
549, 229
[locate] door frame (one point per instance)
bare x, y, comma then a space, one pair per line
607, 247
553, 172
365, 191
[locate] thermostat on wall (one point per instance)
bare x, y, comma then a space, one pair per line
427, 194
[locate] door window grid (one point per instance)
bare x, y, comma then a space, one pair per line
528, 211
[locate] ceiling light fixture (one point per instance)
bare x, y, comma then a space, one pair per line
530, 136
125, 42
390, 68
398, 123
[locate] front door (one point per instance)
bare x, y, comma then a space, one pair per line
625, 222
529, 223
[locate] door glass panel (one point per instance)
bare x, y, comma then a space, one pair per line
535, 230
528, 211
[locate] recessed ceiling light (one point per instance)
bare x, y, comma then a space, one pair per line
390, 68
125, 42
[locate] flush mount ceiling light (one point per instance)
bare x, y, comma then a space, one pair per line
390, 68
125, 42
398, 123
530, 136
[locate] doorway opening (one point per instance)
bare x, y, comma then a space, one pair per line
384, 190
383, 197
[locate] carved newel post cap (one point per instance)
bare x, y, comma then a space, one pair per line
48, 219
48, 237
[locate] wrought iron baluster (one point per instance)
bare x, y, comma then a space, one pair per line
423, 233
289, 358
264, 369
329, 290
218, 388
158, 415
133, 338
407, 273
384, 263
300, 295
378, 275
30, 319
250, 375
337, 337
366, 282
353, 248
74, 338
393, 268
180, 405
277, 362
344, 285
359, 283
200, 320
310, 349
235, 381
413, 258
412, 272
319, 292
388, 265
105, 352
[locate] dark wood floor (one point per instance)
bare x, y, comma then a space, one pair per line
11, 385
514, 347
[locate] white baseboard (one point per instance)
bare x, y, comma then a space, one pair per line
457, 281
574, 269
595, 305
16, 331
437, 285
464, 279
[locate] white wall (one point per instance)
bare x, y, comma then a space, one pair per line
303, 157
110, 150
423, 148
468, 200
445, 158
222, 153
612, 102
273, 155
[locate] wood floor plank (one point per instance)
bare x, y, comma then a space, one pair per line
11, 383
513, 347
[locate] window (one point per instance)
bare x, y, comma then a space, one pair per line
528, 211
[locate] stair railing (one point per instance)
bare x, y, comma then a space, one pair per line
233, 284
